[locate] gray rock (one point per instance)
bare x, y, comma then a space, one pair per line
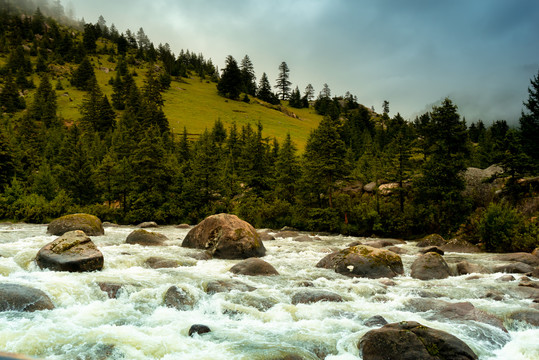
90, 224
363, 261
146, 238
515, 267
147, 224
217, 286
179, 298
430, 266
14, 297
225, 236
253, 266
464, 267
409, 340
73, 251
312, 296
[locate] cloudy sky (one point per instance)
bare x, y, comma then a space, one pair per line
413, 53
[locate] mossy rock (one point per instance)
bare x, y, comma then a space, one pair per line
364, 261
90, 224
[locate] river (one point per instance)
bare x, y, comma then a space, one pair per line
261, 324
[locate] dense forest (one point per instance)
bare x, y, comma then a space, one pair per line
360, 173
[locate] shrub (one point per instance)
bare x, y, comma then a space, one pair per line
503, 229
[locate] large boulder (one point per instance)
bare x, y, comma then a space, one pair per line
146, 238
74, 251
90, 224
253, 266
409, 340
465, 311
14, 297
513, 267
430, 266
226, 236
460, 245
363, 261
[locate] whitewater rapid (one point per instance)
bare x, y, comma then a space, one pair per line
262, 324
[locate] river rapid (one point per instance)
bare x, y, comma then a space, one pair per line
261, 324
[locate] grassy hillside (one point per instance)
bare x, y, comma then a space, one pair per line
192, 102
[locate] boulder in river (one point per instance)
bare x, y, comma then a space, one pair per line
146, 238
218, 286
522, 257
530, 316
90, 224
179, 298
226, 236
313, 296
14, 297
513, 267
431, 240
363, 261
430, 266
409, 340
199, 329
253, 266
464, 267
74, 251
147, 224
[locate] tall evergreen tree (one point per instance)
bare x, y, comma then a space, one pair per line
10, 100
529, 122
248, 76
230, 84
264, 91
283, 84
45, 105
324, 161
440, 187
287, 169
84, 76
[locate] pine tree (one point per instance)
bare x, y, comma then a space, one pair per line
7, 165
230, 84
324, 160
264, 91
10, 99
248, 76
44, 106
84, 75
283, 84
529, 122
295, 99
287, 170
441, 185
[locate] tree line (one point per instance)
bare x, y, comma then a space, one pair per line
121, 162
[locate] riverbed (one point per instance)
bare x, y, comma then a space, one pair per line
260, 324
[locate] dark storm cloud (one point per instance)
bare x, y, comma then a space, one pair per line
481, 53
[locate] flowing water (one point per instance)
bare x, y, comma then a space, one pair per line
262, 324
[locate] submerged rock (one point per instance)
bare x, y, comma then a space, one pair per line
514, 267
430, 266
90, 224
14, 297
146, 238
460, 245
409, 340
217, 286
179, 298
226, 236
464, 267
431, 240
312, 296
363, 261
73, 251
198, 329
156, 262
522, 257
147, 224
111, 289
253, 266
376, 320
434, 249
530, 316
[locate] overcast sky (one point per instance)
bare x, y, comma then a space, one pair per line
413, 53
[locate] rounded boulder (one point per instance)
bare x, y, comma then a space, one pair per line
409, 340
363, 261
253, 266
146, 238
430, 266
14, 297
226, 236
90, 224
74, 251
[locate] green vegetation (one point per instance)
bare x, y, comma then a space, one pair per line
110, 125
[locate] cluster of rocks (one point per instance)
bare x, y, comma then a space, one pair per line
226, 236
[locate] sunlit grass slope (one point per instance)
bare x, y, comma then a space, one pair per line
195, 104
